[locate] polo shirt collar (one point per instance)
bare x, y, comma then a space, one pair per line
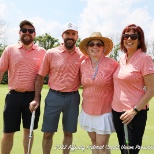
20, 45
63, 49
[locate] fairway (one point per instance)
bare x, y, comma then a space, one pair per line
81, 142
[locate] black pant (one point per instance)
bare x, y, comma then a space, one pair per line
135, 131
17, 108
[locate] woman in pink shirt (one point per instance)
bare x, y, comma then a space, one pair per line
97, 81
133, 89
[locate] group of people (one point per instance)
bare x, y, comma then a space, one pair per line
115, 94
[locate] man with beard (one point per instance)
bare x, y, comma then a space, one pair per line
62, 64
22, 61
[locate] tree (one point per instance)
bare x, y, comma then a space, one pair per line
46, 41
78, 42
150, 48
116, 47
3, 27
115, 52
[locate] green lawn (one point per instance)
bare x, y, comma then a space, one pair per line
81, 139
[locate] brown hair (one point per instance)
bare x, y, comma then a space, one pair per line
141, 38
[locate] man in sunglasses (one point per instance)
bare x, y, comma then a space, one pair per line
62, 64
22, 61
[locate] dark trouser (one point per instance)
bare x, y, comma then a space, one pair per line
17, 108
135, 131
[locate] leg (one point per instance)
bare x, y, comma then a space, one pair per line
119, 129
26, 118
68, 138
70, 119
47, 142
92, 136
7, 143
11, 117
26, 141
136, 131
102, 140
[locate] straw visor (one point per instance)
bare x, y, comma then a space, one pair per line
108, 44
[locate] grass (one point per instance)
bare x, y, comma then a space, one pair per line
81, 141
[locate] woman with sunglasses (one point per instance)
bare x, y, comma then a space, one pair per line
133, 89
97, 81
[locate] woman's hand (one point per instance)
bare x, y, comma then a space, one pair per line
127, 116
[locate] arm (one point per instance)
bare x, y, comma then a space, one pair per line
38, 87
1, 75
149, 83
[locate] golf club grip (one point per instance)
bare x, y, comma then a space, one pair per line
32, 123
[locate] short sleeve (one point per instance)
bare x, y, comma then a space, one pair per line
147, 66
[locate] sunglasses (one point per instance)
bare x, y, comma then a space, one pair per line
24, 30
132, 36
91, 44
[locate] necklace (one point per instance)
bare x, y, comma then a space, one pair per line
96, 68
94, 63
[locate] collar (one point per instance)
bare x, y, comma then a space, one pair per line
63, 49
20, 45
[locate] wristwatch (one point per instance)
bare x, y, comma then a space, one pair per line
136, 110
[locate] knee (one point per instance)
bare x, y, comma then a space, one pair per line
67, 135
7, 136
93, 140
48, 135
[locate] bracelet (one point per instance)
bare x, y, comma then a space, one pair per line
136, 110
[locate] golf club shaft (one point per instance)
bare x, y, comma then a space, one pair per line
31, 131
126, 137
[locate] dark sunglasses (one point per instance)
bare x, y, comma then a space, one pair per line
24, 30
91, 44
132, 36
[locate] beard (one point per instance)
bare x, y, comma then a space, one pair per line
26, 39
69, 43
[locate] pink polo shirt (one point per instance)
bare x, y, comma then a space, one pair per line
98, 93
129, 84
22, 66
63, 68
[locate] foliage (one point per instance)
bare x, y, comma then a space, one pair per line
5, 78
3, 26
2, 47
115, 53
78, 41
46, 41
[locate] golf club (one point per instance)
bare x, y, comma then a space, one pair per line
31, 131
126, 137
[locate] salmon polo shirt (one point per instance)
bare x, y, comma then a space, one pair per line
98, 92
129, 84
63, 68
22, 66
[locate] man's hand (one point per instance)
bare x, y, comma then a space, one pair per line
33, 105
